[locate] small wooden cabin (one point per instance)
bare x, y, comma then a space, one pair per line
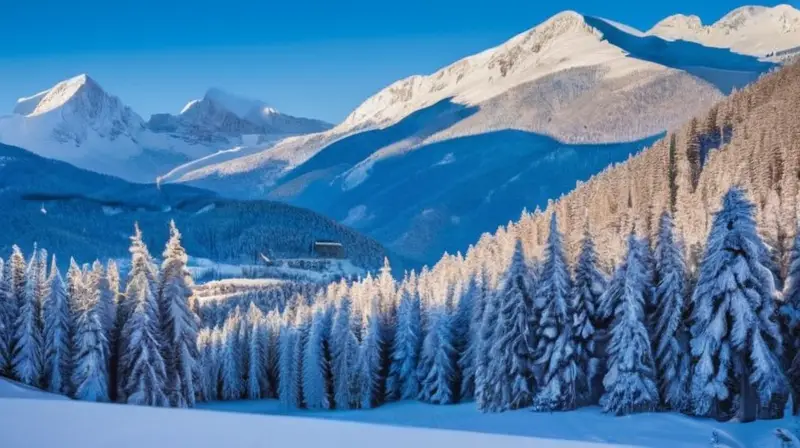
328, 249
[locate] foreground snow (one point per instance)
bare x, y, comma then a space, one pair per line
87, 425
13, 389
588, 425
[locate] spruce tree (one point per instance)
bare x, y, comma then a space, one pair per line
475, 303
57, 334
302, 329
509, 377
90, 358
587, 290
630, 379
316, 362
257, 381
734, 337
564, 385
27, 358
370, 356
287, 389
403, 382
671, 334
142, 372
179, 323
345, 355
231, 374
8, 309
438, 360
790, 321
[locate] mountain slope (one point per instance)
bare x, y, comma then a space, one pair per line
88, 215
78, 122
753, 30
567, 97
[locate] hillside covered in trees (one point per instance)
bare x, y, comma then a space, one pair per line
90, 215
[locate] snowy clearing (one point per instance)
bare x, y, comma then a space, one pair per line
586, 425
75, 424
13, 389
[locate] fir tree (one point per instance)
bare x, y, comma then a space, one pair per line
231, 375
57, 334
90, 372
316, 362
27, 358
790, 321
475, 303
564, 385
257, 381
630, 378
509, 376
403, 382
438, 360
671, 335
734, 338
8, 309
141, 368
179, 323
587, 290
345, 358
369, 361
302, 328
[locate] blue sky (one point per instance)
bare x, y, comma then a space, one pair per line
317, 59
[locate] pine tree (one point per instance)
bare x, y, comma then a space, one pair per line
370, 357
257, 381
587, 290
179, 323
287, 390
671, 335
113, 326
437, 364
316, 362
509, 377
27, 358
345, 354
142, 372
484, 387
302, 329
630, 378
8, 309
231, 374
474, 305
734, 338
90, 360
790, 321
564, 385
57, 334
403, 382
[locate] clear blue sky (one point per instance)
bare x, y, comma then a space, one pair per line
309, 58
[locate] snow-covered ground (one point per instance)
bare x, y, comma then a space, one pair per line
13, 389
44, 423
588, 425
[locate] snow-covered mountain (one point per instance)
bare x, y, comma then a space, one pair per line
432, 161
79, 122
753, 30
220, 115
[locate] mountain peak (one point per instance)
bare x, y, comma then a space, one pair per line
238, 105
58, 95
680, 21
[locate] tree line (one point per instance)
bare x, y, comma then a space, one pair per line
93, 337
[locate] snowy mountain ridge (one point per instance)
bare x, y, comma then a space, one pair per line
77, 121
754, 30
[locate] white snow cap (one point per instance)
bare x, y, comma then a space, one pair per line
239, 105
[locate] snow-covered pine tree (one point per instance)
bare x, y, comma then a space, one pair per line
231, 375
587, 290
8, 309
286, 377
257, 380
509, 377
484, 386
316, 362
273, 330
57, 334
179, 323
630, 379
437, 364
302, 328
461, 334
27, 357
142, 372
564, 384
790, 321
18, 277
369, 360
345, 352
113, 326
471, 335
671, 333
735, 340
90, 357
403, 382
205, 349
